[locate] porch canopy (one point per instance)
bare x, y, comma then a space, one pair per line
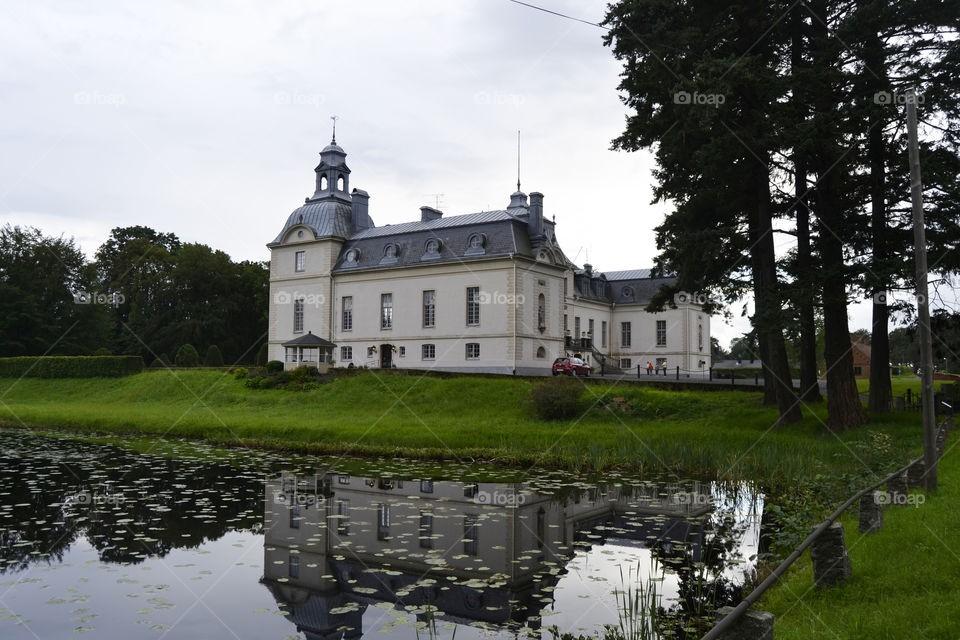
308, 349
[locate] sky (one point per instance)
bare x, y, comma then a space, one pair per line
206, 119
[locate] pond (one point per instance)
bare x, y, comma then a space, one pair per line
114, 538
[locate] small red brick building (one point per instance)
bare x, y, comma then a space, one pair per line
861, 360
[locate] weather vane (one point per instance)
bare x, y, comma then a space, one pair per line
334, 139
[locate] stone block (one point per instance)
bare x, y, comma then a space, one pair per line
752, 625
871, 512
831, 562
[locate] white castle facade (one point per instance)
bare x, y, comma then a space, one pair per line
482, 292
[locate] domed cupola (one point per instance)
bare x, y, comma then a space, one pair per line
333, 174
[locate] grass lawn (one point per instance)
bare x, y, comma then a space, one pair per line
701, 433
904, 578
900, 384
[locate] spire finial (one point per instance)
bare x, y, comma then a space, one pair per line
334, 139
518, 159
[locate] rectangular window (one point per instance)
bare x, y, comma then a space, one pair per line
473, 350
343, 479
402, 351
299, 260
295, 516
564, 324
473, 306
383, 522
471, 490
625, 363
471, 531
428, 351
624, 334
858, 371
429, 308
346, 354
293, 569
346, 313
343, 517
603, 333
576, 327
426, 530
298, 315
426, 486
661, 333
590, 328
386, 311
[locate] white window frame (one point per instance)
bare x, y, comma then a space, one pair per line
429, 308
626, 334
472, 347
661, 333
386, 311
298, 307
473, 306
299, 261
428, 351
346, 313
346, 354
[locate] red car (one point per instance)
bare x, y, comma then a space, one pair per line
570, 367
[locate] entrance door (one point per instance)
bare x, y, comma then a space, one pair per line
386, 356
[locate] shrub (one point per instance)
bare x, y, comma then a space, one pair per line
254, 382
187, 356
161, 361
103, 351
240, 373
70, 366
274, 366
213, 358
557, 398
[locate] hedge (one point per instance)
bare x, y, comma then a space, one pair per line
70, 366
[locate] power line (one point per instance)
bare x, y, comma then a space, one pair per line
562, 15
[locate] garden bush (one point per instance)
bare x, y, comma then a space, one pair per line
274, 366
187, 356
70, 366
240, 373
213, 358
557, 398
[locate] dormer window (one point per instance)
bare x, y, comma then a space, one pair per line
431, 249
391, 252
476, 244
627, 293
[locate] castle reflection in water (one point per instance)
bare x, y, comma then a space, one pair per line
480, 553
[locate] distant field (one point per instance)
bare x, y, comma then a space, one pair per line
714, 433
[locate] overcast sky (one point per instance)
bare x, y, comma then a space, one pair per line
206, 119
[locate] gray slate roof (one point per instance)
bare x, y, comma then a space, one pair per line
327, 218
434, 225
309, 339
632, 274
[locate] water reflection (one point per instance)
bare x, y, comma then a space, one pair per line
484, 554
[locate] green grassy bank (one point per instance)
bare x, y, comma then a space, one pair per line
718, 433
904, 581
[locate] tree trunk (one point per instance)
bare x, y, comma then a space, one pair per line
881, 392
844, 408
809, 381
767, 301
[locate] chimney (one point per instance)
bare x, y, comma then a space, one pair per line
535, 223
588, 268
429, 213
360, 210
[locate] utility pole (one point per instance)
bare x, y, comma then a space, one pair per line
923, 302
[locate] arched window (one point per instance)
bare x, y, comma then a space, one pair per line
700, 337
541, 313
340, 183
541, 352
323, 182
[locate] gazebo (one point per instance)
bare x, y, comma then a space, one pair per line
308, 350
